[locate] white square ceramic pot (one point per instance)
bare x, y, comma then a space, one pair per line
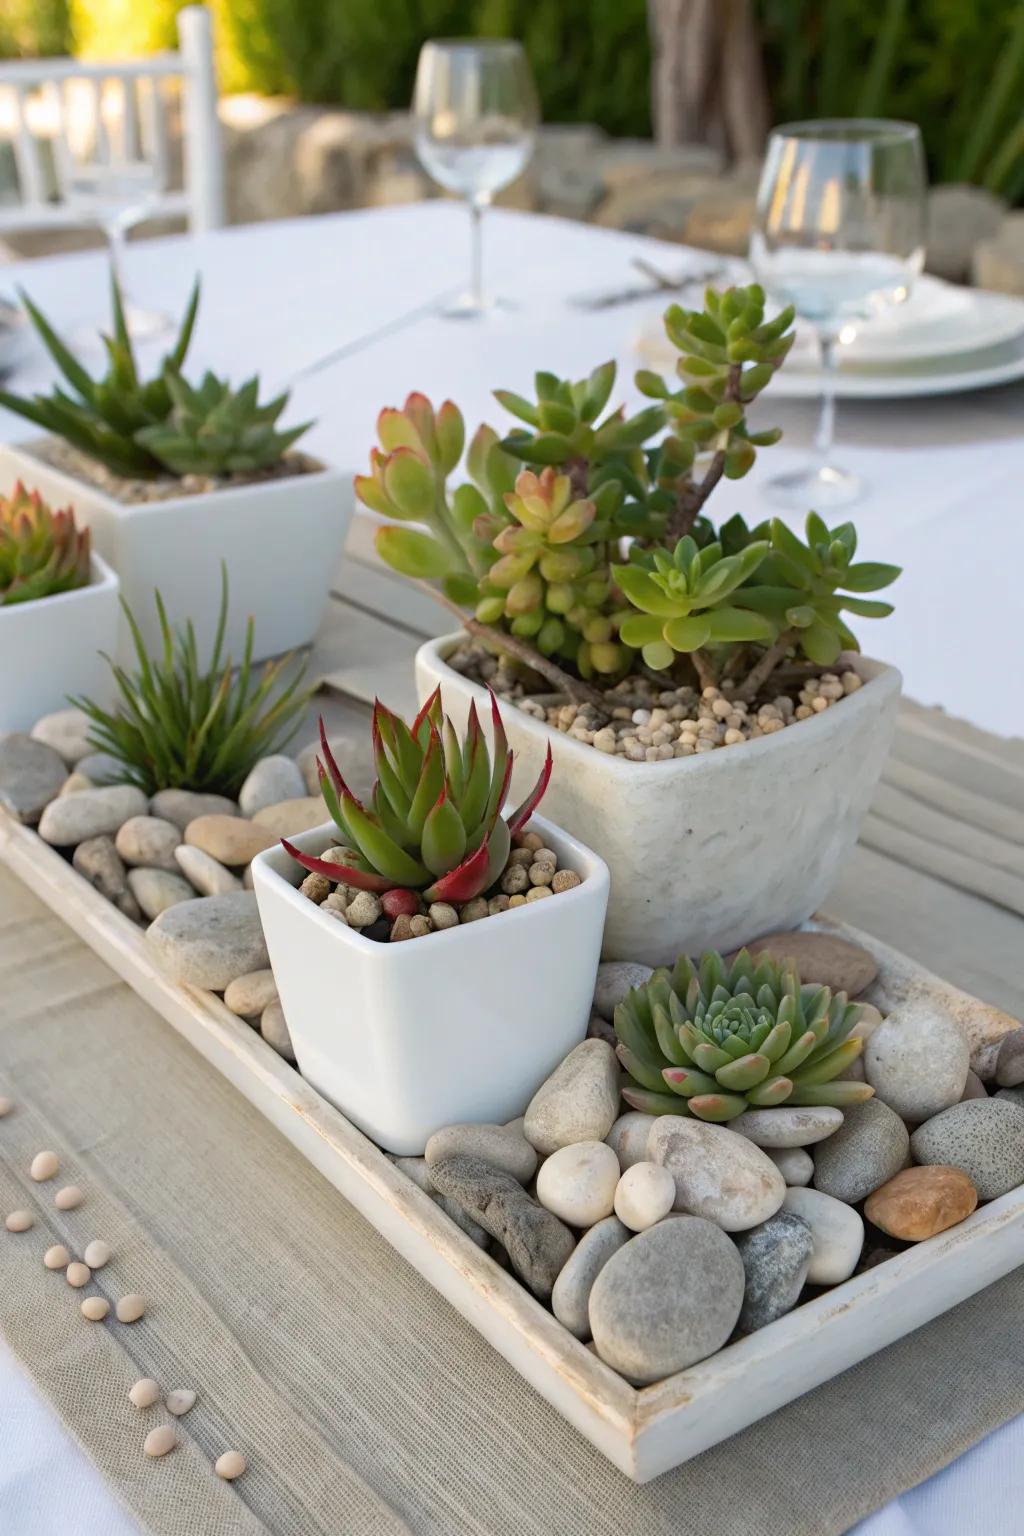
713, 850
460, 1025
50, 648
280, 540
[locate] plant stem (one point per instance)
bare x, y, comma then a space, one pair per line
762, 670
707, 674
579, 691
692, 497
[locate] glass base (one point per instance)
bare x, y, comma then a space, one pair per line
143, 325
815, 488
471, 306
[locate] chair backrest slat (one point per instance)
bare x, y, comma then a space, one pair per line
26, 150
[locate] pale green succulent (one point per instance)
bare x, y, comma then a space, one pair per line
213, 429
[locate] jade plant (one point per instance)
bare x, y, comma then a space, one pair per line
584, 550
180, 725
714, 1040
41, 551
434, 820
141, 428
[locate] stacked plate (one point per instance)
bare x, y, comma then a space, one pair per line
943, 339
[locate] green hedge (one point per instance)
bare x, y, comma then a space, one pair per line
954, 66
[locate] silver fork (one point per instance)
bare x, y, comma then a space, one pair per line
657, 282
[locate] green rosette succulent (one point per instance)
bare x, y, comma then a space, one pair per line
713, 1040
433, 823
41, 551
213, 429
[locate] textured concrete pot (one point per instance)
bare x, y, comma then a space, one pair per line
464, 1024
280, 541
50, 649
710, 850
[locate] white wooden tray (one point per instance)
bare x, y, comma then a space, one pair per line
643, 1432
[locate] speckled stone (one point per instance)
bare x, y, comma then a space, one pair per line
719, 1175
210, 940
571, 1296
536, 1241
822, 959
31, 775
776, 1257
615, 978
919, 1202
98, 861
918, 1061
670, 1297
578, 1102
503, 1146
982, 1137
870, 1147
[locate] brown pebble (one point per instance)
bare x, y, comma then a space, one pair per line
538, 892
160, 1440
144, 1393
19, 1221
316, 887
95, 1308
401, 928
44, 1166
179, 1401
516, 901
919, 1202
57, 1257
68, 1198
97, 1253
564, 880
130, 1308
229, 1465
6, 1105
822, 959
78, 1274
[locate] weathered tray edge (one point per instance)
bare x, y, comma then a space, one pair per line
642, 1432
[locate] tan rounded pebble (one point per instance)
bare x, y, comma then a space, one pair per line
545, 856
19, 1221
541, 873
129, 1308
95, 1308
565, 880
6, 1105
145, 1392
419, 925
473, 911
443, 915
78, 1274
160, 1440
229, 1465
97, 1253
68, 1198
516, 901
44, 1166
919, 1202
57, 1257
179, 1401
537, 891
531, 840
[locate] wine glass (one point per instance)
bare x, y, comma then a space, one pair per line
839, 233
475, 110
115, 195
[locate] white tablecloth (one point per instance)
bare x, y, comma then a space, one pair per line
944, 500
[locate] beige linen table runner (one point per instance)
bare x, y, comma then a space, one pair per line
364, 1404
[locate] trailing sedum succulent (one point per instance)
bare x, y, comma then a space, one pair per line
140, 428
688, 599
41, 551
722, 1039
434, 820
179, 726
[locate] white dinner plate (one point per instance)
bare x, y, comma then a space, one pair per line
939, 320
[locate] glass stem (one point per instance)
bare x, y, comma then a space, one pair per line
476, 282
824, 437
116, 240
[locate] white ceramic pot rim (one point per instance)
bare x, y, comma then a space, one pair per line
876, 675
591, 869
100, 577
142, 508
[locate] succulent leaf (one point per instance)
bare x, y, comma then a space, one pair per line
42, 552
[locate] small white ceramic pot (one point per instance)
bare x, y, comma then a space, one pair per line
464, 1024
713, 850
50, 648
280, 540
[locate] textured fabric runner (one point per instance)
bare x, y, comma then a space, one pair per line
364, 1404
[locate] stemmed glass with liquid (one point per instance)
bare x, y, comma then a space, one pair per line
475, 110
839, 234
116, 194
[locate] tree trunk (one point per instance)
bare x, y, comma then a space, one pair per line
708, 84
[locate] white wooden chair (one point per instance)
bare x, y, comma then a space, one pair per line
130, 110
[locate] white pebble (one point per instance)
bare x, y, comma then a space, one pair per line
78, 1274
97, 1253
95, 1308
229, 1465
145, 1392
68, 1198
179, 1401
160, 1440
578, 1182
645, 1193
19, 1221
794, 1163
837, 1233
129, 1308
57, 1257
44, 1166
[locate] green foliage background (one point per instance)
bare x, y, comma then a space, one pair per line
954, 66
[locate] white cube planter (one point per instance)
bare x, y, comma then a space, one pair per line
280, 540
463, 1024
713, 850
50, 648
